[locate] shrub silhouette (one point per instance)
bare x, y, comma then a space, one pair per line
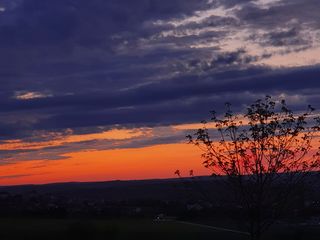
265, 154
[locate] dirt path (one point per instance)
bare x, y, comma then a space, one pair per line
214, 228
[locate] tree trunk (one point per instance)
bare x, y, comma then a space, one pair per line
255, 224
255, 233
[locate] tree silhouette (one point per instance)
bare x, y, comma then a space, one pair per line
265, 154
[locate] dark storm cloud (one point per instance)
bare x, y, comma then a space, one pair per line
87, 23
288, 23
305, 11
284, 38
46, 39
92, 65
159, 102
168, 103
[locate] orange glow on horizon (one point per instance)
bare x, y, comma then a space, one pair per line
159, 161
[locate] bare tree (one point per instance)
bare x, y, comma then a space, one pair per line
264, 153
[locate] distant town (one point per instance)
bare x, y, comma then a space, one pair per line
160, 200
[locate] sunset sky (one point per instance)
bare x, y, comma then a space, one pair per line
95, 90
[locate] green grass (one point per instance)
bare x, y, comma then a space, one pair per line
293, 233
80, 229
60, 229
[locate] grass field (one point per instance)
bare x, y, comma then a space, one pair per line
49, 229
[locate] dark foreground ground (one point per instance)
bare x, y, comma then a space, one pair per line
191, 208
142, 228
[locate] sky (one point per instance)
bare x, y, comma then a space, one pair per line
103, 90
